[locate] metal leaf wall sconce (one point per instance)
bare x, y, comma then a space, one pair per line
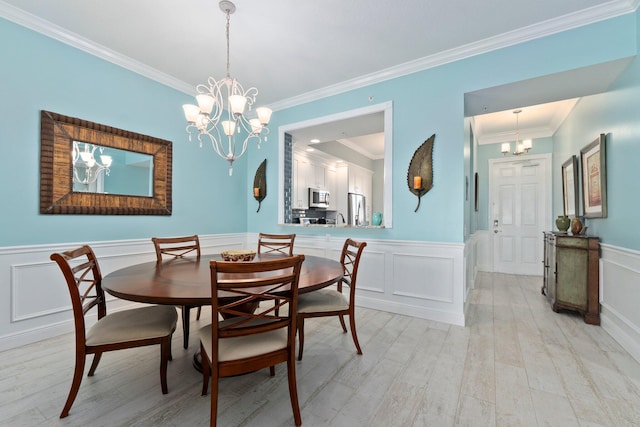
260, 183
420, 173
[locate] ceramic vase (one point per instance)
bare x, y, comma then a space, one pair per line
563, 222
376, 218
576, 226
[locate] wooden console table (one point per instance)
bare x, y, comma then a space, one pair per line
571, 274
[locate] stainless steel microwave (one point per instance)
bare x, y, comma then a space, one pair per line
318, 198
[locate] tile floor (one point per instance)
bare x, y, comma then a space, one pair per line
516, 364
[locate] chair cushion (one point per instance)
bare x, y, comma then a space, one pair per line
154, 321
241, 347
322, 300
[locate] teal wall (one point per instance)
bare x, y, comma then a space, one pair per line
615, 113
39, 73
432, 101
45, 74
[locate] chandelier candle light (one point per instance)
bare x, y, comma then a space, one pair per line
220, 113
521, 147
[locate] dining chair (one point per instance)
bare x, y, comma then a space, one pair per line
332, 302
247, 341
276, 243
179, 247
150, 325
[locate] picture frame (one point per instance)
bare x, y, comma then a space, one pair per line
594, 178
570, 188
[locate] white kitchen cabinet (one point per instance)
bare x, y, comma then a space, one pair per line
301, 178
331, 185
317, 178
359, 180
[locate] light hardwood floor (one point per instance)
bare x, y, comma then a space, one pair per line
516, 364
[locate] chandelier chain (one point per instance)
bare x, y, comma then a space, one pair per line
228, 61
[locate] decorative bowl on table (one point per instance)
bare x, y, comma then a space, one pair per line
239, 255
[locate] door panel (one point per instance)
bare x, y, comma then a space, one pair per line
520, 202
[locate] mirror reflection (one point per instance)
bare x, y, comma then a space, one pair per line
107, 170
338, 167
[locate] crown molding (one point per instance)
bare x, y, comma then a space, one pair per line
585, 17
63, 35
553, 26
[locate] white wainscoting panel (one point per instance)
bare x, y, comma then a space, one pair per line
620, 296
482, 249
421, 279
36, 303
424, 277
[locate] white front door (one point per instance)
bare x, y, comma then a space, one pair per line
519, 211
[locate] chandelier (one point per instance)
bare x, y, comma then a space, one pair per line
521, 146
220, 113
86, 168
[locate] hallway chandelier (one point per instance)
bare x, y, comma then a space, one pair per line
521, 146
220, 113
86, 169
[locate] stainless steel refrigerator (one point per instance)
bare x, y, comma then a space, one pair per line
356, 210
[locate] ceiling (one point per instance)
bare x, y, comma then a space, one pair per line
295, 51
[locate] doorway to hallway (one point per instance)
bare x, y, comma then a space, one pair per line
519, 211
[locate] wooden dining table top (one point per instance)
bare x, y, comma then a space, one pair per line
187, 281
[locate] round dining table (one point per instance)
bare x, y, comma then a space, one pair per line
187, 281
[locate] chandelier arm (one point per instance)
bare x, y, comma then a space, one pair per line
227, 94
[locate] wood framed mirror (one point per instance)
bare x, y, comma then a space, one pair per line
60, 137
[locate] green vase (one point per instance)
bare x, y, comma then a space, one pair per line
563, 222
376, 219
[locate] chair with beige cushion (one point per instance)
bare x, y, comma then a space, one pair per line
143, 326
249, 340
276, 244
332, 302
179, 247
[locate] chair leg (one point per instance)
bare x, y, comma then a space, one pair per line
165, 350
293, 388
344, 327
206, 370
170, 352
352, 323
185, 325
94, 364
213, 417
198, 313
300, 327
75, 383
272, 371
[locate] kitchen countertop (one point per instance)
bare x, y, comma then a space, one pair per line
334, 226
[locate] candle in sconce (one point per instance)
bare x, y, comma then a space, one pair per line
256, 191
417, 182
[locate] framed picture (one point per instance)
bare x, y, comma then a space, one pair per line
475, 191
594, 178
570, 186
